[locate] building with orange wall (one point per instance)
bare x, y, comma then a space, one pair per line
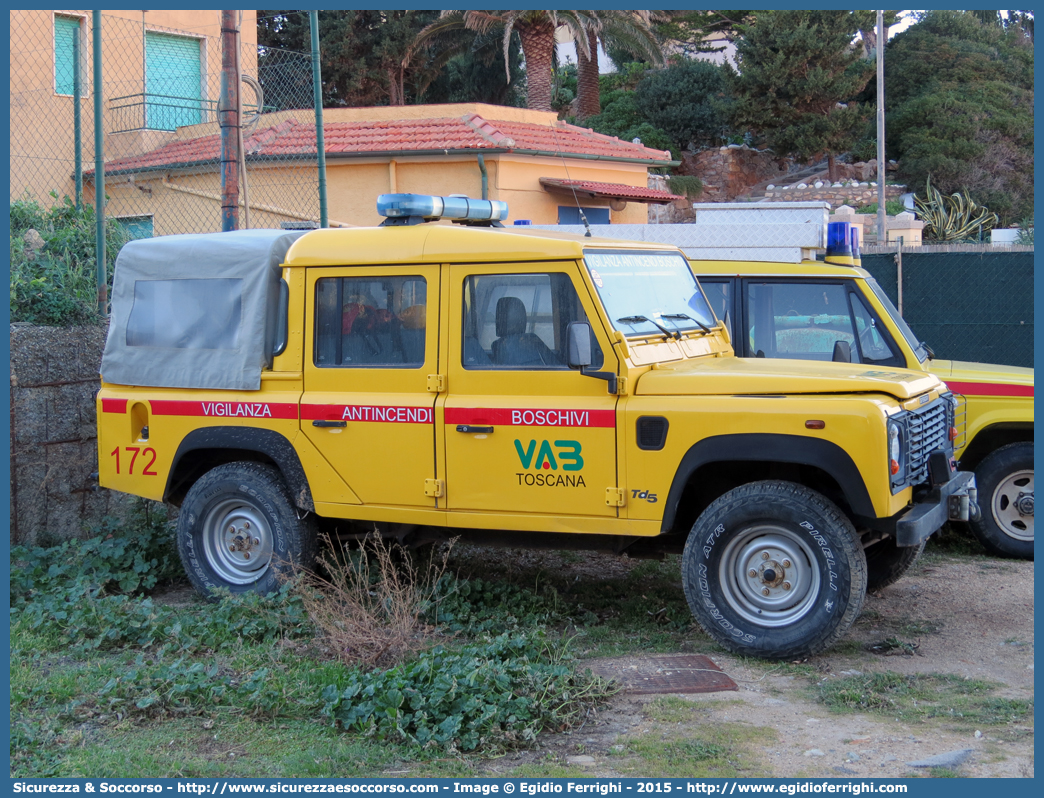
543, 168
160, 70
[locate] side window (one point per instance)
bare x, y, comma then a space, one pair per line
370, 322
518, 321
798, 320
872, 345
719, 296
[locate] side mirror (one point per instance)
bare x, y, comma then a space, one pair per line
842, 352
578, 344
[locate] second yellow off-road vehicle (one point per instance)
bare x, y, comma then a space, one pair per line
802, 310
513, 387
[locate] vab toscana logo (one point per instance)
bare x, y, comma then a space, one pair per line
542, 456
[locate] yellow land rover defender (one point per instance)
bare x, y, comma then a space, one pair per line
802, 310
513, 387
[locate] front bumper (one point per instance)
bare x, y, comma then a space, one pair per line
953, 500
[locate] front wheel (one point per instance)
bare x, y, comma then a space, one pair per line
1005, 483
774, 570
239, 530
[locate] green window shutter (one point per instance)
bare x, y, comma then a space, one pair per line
66, 29
173, 86
136, 226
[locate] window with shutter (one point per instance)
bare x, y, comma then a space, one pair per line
173, 85
66, 29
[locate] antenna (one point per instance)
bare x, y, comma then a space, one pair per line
583, 216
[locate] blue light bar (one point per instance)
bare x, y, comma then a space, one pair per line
857, 259
839, 248
427, 207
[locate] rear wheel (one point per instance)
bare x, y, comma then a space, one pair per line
774, 570
1005, 483
239, 530
887, 563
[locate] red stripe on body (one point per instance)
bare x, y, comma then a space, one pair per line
114, 405
989, 389
530, 417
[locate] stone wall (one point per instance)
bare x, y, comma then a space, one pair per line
729, 172
852, 193
54, 376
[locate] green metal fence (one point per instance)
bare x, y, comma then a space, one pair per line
966, 302
159, 96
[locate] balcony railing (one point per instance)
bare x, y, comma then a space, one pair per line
149, 111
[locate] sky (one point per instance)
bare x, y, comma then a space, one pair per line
567, 50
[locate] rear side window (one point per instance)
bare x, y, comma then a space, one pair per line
371, 322
186, 314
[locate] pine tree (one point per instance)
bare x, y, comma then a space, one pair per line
799, 73
959, 108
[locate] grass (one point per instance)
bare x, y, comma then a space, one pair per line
954, 700
698, 750
101, 674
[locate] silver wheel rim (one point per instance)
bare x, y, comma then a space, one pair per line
237, 541
1012, 505
768, 575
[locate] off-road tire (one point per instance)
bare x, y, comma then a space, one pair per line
239, 530
887, 563
791, 524
1001, 478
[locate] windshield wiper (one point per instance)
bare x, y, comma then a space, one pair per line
635, 319
703, 326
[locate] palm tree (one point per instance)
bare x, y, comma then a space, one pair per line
536, 31
628, 30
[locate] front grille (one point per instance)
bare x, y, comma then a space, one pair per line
927, 429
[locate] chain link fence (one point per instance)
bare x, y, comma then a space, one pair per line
971, 303
160, 90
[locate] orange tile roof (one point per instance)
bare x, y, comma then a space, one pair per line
430, 136
590, 188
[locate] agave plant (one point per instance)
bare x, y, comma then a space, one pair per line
953, 218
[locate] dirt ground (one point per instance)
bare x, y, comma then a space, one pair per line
969, 616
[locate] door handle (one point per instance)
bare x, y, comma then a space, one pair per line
321, 423
472, 428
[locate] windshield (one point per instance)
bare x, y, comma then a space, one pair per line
920, 350
647, 293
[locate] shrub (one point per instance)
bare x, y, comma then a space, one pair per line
57, 284
892, 208
494, 694
124, 555
372, 602
687, 101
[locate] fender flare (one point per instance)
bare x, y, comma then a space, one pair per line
796, 449
268, 442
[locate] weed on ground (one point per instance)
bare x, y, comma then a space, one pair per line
262, 687
956, 701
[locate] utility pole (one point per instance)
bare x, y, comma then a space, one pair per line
317, 98
228, 121
882, 235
